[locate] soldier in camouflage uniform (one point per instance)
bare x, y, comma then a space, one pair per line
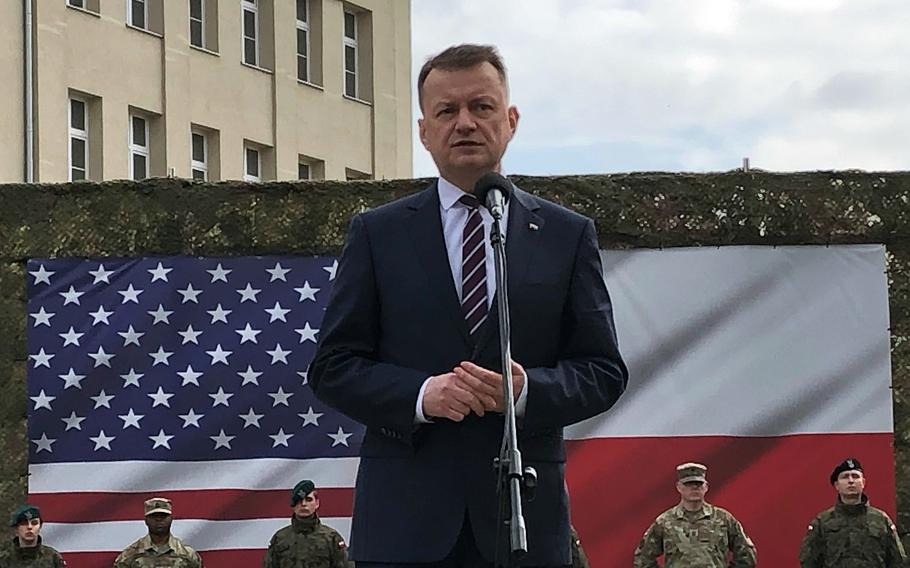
695, 534
852, 533
306, 542
159, 548
25, 550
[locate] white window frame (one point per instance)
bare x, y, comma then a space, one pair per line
77, 134
202, 166
350, 42
253, 7
145, 14
246, 175
309, 169
304, 26
201, 22
136, 149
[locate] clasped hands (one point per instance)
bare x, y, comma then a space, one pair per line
468, 388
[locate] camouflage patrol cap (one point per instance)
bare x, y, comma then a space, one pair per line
158, 505
301, 490
24, 513
849, 464
691, 472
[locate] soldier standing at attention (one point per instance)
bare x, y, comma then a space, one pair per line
25, 549
306, 542
159, 548
695, 534
852, 532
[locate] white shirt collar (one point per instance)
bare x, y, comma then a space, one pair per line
449, 193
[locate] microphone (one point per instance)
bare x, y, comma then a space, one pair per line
493, 191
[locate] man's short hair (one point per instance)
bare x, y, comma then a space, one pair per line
458, 57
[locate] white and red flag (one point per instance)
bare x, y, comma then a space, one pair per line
770, 365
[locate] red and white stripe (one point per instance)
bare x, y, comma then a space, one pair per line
227, 510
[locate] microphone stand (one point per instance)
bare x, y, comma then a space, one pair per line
513, 479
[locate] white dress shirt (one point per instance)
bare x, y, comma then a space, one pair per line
454, 216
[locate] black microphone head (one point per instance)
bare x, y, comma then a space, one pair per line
490, 181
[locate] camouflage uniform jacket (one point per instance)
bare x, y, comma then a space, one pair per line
307, 543
852, 536
41, 556
144, 554
579, 560
701, 541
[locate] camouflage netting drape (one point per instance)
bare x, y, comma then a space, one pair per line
178, 217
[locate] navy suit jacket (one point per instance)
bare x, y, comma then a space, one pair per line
394, 319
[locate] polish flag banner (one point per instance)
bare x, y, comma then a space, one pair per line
186, 378
769, 365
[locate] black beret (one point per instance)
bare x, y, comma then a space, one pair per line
846, 465
301, 490
24, 513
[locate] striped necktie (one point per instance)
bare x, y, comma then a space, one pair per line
473, 267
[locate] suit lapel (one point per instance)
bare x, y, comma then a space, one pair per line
427, 237
525, 226
522, 235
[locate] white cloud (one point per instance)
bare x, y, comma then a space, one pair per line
617, 85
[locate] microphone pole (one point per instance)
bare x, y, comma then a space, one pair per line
493, 190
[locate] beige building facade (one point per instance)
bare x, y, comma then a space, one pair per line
207, 89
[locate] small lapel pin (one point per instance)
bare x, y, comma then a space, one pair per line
533, 226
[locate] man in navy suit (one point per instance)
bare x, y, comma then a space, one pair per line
409, 344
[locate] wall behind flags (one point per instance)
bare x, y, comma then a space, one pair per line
646, 210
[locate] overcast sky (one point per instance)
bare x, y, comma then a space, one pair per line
690, 85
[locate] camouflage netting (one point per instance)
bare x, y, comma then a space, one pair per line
178, 217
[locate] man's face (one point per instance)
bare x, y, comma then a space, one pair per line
692, 491
850, 484
27, 530
159, 524
467, 123
307, 506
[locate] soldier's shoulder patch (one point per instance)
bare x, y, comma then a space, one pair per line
811, 528
342, 545
749, 541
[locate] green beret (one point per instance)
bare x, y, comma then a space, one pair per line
301, 490
849, 464
24, 513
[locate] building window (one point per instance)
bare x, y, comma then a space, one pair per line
137, 13
350, 54
139, 147
78, 139
354, 175
310, 168
250, 10
199, 156
303, 40
252, 170
197, 23
203, 24
93, 6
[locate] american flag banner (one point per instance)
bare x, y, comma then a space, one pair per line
184, 378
